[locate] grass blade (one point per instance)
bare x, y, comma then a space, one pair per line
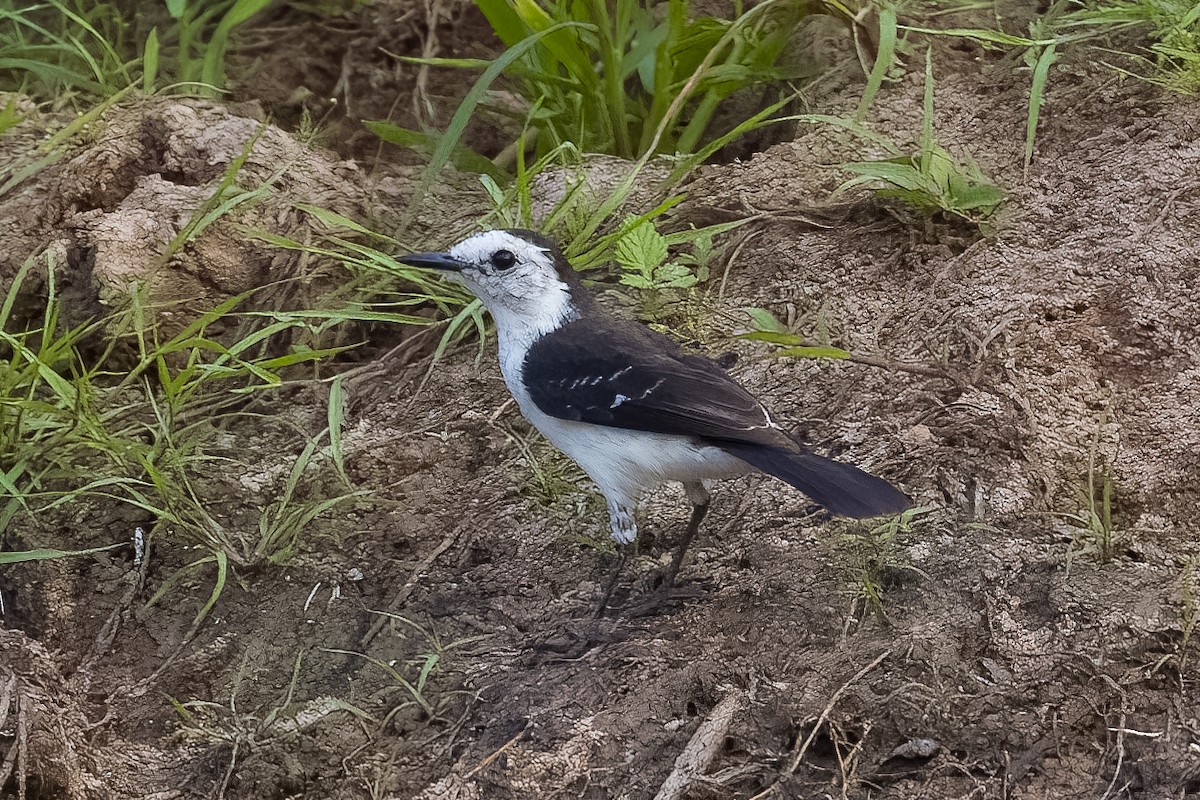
458, 123
337, 418
48, 553
1037, 92
883, 60
150, 61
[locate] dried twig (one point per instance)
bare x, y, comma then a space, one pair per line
409, 585
702, 747
17, 756
829, 708
482, 765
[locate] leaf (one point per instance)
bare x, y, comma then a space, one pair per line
41, 555
903, 175
813, 352
642, 249
1037, 96
883, 60
449, 140
674, 276
213, 70
764, 320
334, 220
981, 35
458, 63
983, 196
636, 281
150, 61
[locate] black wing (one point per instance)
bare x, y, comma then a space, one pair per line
623, 375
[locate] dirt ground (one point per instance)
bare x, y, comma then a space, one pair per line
1006, 656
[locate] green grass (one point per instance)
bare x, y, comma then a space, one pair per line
1172, 57
766, 327
119, 411
1094, 530
414, 678
607, 77
230, 724
59, 50
931, 181
878, 558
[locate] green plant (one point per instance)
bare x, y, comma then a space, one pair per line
553, 481
282, 521
199, 36
1093, 524
211, 723
609, 83
1039, 52
766, 327
647, 265
1174, 28
45, 554
118, 411
930, 181
643, 257
416, 687
59, 47
384, 289
878, 558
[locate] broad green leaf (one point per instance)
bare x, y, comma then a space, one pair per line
504, 20
674, 276
764, 320
903, 175
642, 249
979, 196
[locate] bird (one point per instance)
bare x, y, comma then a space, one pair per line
628, 404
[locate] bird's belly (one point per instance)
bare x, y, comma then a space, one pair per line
625, 461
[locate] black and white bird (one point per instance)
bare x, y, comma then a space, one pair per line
626, 403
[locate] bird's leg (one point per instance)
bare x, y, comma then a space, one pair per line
624, 531
612, 582
698, 493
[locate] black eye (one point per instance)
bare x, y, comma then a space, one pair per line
503, 259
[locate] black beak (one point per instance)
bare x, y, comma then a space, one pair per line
442, 261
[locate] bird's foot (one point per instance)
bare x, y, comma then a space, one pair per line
573, 645
661, 600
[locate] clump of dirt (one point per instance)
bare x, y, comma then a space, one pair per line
158, 193
998, 644
165, 196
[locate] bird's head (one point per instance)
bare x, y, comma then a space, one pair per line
521, 277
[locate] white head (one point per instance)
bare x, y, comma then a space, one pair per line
522, 278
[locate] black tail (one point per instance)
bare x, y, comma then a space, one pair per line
844, 489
